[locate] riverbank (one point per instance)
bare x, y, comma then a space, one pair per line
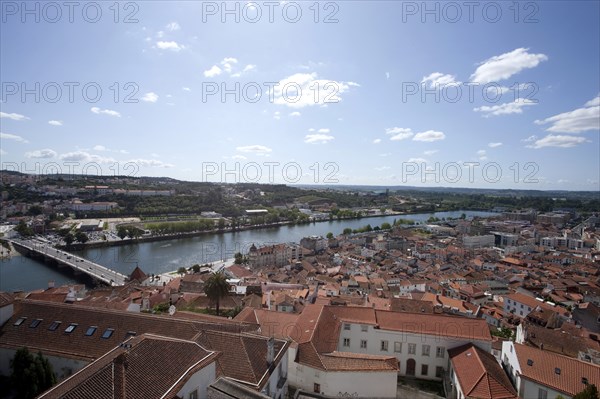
166, 237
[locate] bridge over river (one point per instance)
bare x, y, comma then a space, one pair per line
78, 264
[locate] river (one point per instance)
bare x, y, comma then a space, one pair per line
22, 273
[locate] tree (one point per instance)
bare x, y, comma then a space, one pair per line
196, 268
347, 231
385, 226
590, 392
216, 288
239, 258
81, 237
330, 235
182, 270
221, 224
31, 375
69, 239
23, 229
122, 232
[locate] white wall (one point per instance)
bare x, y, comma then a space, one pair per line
6, 313
199, 381
357, 384
63, 367
530, 389
375, 336
274, 379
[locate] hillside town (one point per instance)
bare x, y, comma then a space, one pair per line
500, 307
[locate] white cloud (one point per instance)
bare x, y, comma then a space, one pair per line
482, 155
429, 135
382, 168
228, 63
150, 97
186, 89
514, 107
100, 148
576, 121
557, 141
277, 115
430, 152
151, 163
387, 75
530, 139
318, 138
173, 46
504, 66
239, 157
13, 116
8, 136
83, 156
305, 89
55, 123
212, 72
41, 154
439, 80
376, 141
417, 160
255, 149
249, 67
109, 112
295, 113
494, 145
2, 152
323, 130
399, 133
173, 26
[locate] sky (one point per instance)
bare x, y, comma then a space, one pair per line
450, 94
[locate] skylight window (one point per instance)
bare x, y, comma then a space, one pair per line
529, 362
20, 321
108, 333
35, 323
91, 330
54, 325
130, 334
557, 370
71, 328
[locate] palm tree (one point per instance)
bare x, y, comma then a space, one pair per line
216, 287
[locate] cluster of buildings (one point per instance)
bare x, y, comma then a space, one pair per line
483, 308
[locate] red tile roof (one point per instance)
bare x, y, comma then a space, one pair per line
479, 374
543, 370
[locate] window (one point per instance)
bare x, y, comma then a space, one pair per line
363, 344
108, 333
90, 331
346, 342
20, 321
54, 325
412, 349
194, 394
35, 323
424, 369
71, 328
129, 335
425, 350
364, 328
384, 346
439, 372
398, 347
346, 326
440, 351
317, 388
542, 393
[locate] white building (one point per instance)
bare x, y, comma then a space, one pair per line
478, 241
542, 374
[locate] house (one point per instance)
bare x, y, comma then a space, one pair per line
541, 374
475, 374
147, 366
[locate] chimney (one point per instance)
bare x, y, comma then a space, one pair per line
51, 284
119, 379
270, 351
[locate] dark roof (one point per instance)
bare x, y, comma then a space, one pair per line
154, 367
224, 388
79, 345
5, 299
244, 355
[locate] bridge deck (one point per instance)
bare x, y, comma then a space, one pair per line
82, 265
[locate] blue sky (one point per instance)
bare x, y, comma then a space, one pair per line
501, 95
